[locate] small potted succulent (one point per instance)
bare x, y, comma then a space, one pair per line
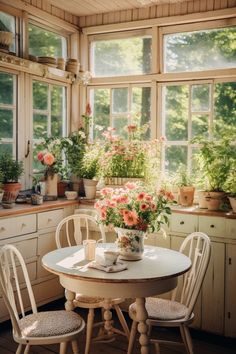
185, 184
10, 170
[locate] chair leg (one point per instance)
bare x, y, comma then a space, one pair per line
19, 349
27, 348
89, 330
132, 337
122, 320
188, 339
63, 346
75, 348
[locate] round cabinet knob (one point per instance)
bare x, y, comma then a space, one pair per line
212, 226
49, 220
181, 222
2, 229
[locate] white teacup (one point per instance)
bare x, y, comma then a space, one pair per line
70, 195
106, 257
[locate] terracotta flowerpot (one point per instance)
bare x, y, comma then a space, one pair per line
214, 200
11, 191
61, 188
233, 203
186, 195
202, 203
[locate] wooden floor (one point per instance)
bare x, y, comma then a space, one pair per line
203, 343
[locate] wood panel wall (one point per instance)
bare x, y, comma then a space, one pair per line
155, 11
52, 10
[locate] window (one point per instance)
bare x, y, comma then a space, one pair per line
120, 106
196, 109
8, 113
46, 43
121, 56
200, 50
49, 111
8, 24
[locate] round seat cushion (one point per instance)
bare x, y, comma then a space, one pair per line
161, 309
50, 323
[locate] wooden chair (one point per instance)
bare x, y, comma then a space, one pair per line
36, 328
173, 313
71, 231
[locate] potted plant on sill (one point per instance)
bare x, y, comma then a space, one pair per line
215, 158
11, 170
90, 169
230, 188
131, 159
74, 149
184, 181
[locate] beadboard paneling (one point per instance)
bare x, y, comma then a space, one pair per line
155, 11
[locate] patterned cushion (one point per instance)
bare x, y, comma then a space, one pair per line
50, 323
161, 309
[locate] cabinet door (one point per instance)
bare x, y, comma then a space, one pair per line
175, 245
230, 291
46, 243
213, 291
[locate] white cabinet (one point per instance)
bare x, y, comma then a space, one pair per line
34, 235
215, 310
212, 225
230, 290
213, 291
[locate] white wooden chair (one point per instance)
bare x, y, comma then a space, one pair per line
71, 231
173, 313
36, 328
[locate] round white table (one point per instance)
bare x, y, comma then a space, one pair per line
155, 274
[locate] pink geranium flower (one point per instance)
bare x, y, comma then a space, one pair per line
130, 218
141, 196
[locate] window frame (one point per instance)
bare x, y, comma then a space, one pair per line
129, 112
119, 35
160, 102
198, 26
49, 28
14, 108
66, 123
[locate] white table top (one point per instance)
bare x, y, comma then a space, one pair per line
157, 263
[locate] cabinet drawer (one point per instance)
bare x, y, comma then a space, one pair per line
183, 223
19, 225
212, 225
49, 218
231, 228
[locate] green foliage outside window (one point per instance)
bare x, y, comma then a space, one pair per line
46, 43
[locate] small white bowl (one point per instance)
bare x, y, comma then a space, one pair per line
71, 195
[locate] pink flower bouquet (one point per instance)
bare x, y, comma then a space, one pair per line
134, 207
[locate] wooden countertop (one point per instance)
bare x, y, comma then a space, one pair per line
62, 202
19, 209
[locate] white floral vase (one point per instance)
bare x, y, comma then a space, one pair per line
130, 243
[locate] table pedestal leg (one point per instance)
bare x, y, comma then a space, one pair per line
70, 296
141, 317
107, 316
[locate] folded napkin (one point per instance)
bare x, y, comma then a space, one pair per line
117, 267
